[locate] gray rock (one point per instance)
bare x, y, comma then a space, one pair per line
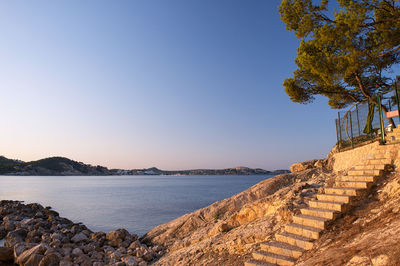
148, 256
79, 237
125, 243
9, 225
130, 261
3, 232
116, 255
134, 245
56, 236
55, 243
83, 260
66, 251
77, 252
97, 256
39, 215
66, 263
89, 248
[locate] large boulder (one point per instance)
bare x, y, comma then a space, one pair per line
30, 254
16, 236
322, 163
33, 260
298, 167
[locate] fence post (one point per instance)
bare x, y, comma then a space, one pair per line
381, 119
351, 130
340, 131
337, 133
398, 99
358, 121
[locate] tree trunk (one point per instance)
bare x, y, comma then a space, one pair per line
384, 108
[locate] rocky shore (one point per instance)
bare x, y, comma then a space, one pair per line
35, 235
225, 233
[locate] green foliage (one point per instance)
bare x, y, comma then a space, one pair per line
215, 216
347, 54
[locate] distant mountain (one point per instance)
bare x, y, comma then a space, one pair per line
63, 166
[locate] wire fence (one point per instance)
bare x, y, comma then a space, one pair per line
362, 123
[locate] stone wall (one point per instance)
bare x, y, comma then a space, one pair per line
345, 160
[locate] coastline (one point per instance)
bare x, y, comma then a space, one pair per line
223, 233
177, 245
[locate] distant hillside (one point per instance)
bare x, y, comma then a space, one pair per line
64, 166
49, 166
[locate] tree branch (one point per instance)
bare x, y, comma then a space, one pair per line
390, 52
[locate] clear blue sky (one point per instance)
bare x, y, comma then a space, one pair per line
172, 84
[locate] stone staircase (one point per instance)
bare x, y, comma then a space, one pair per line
333, 203
394, 136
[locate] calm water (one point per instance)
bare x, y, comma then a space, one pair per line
137, 203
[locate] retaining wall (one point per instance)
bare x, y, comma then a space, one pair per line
345, 160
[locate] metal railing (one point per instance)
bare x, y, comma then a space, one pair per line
367, 122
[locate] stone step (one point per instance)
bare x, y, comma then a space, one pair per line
365, 172
383, 153
363, 178
254, 262
273, 258
334, 198
295, 240
303, 230
350, 191
328, 205
323, 213
377, 161
377, 155
370, 167
352, 184
281, 248
313, 221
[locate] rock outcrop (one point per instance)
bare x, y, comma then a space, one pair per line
226, 232
301, 166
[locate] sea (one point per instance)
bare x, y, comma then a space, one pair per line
136, 203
